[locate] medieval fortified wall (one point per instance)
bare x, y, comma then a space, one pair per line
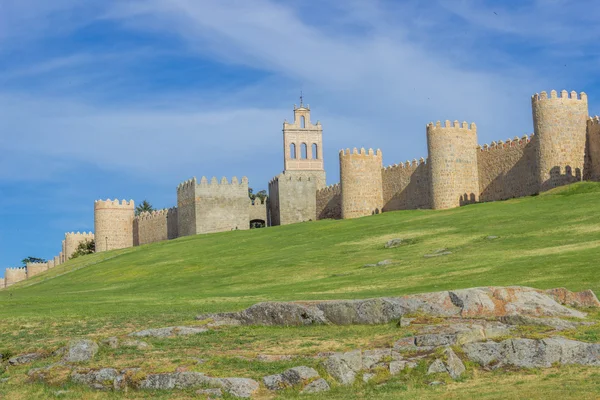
564, 148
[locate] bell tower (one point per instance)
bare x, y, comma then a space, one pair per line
303, 145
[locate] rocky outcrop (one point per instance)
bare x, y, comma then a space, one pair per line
529, 353
484, 302
170, 331
25, 358
81, 351
291, 377
587, 298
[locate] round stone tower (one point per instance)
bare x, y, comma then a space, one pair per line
452, 161
113, 224
361, 181
560, 124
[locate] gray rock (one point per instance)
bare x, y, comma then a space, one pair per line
175, 380
111, 342
454, 365
372, 357
297, 375
24, 358
436, 383
237, 387
3, 380
274, 382
210, 393
393, 243
101, 379
81, 351
138, 344
529, 353
60, 393
438, 253
437, 367
383, 263
320, 385
405, 344
586, 298
555, 323
492, 237
435, 340
367, 377
170, 331
343, 367
483, 302
398, 366
405, 322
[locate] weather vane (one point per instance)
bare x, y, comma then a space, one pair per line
300, 98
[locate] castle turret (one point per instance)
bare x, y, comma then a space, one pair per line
292, 194
360, 179
560, 132
303, 145
14, 275
72, 241
113, 224
593, 149
453, 169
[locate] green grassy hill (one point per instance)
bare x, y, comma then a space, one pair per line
551, 240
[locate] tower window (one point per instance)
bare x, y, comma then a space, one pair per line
304, 151
315, 155
302, 122
293, 150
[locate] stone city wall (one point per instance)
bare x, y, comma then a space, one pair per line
2, 283
34, 269
186, 207
113, 223
360, 179
292, 196
14, 275
222, 206
406, 186
507, 169
329, 202
560, 126
452, 164
72, 241
258, 211
593, 149
154, 227
63, 252
56, 261
51, 264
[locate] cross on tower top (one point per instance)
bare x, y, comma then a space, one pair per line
301, 98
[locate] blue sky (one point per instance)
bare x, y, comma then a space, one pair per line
119, 98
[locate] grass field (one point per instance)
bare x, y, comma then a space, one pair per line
551, 240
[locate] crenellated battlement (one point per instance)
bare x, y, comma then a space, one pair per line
452, 125
108, 203
145, 216
593, 121
564, 95
361, 152
330, 189
15, 269
414, 164
193, 183
80, 234
500, 145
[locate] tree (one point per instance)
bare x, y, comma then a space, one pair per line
28, 260
262, 195
88, 246
144, 206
